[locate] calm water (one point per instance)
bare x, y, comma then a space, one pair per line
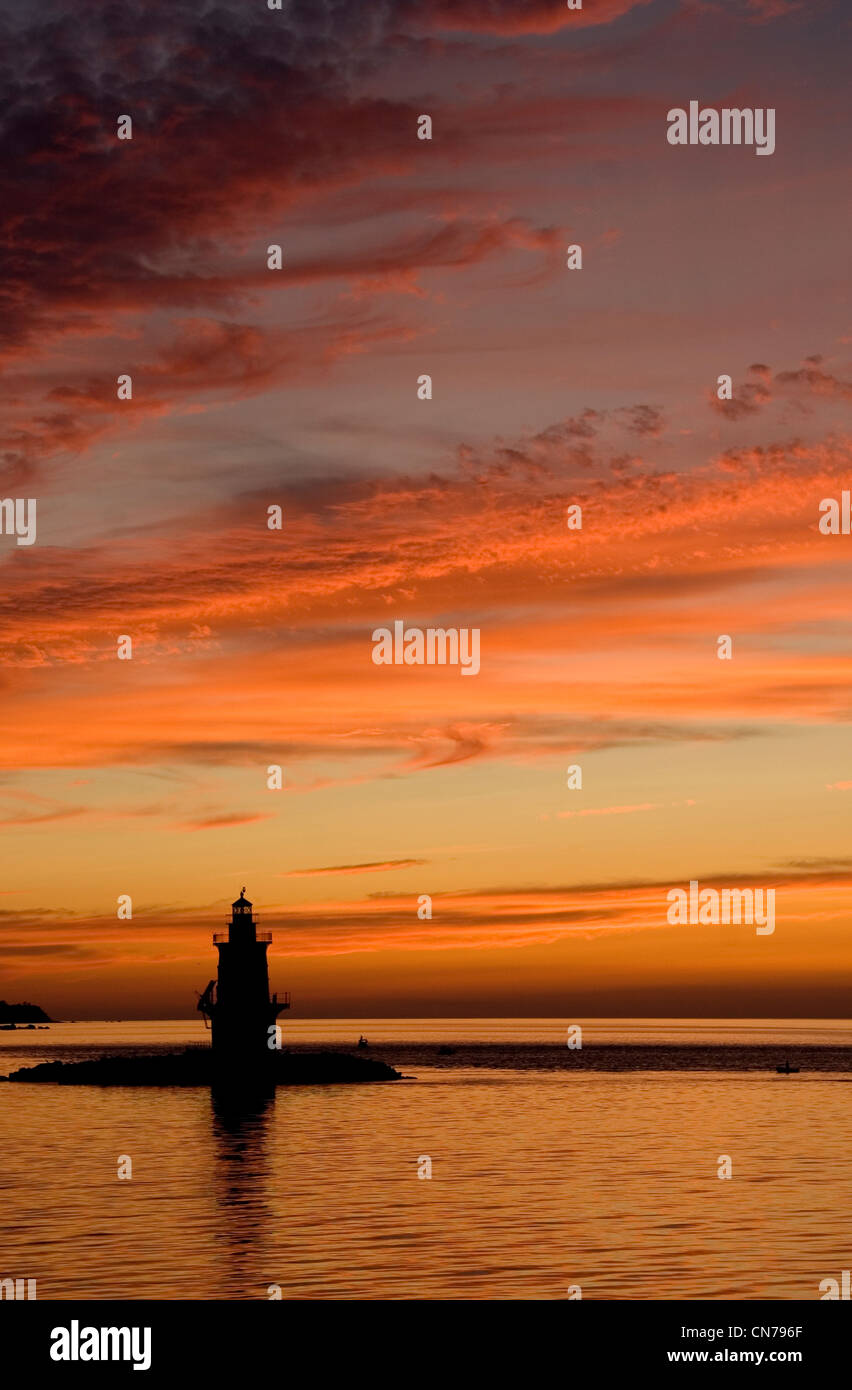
544, 1175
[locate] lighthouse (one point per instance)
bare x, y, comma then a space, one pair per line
237, 1003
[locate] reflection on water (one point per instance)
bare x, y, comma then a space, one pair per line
240, 1180
540, 1180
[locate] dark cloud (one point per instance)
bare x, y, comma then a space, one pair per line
748, 397
645, 420
376, 866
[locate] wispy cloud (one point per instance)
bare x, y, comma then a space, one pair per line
377, 867
225, 821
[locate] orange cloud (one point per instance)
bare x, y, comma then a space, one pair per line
225, 821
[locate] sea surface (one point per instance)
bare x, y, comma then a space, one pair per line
552, 1167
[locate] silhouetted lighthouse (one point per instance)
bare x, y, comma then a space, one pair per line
238, 1003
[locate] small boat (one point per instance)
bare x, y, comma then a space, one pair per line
786, 1070
362, 1041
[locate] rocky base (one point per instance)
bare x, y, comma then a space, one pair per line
195, 1067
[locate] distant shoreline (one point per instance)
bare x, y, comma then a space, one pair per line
22, 1013
77, 1062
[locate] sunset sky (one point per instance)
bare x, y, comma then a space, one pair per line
298, 387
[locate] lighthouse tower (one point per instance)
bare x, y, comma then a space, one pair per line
238, 1005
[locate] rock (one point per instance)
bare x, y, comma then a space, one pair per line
195, 1067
